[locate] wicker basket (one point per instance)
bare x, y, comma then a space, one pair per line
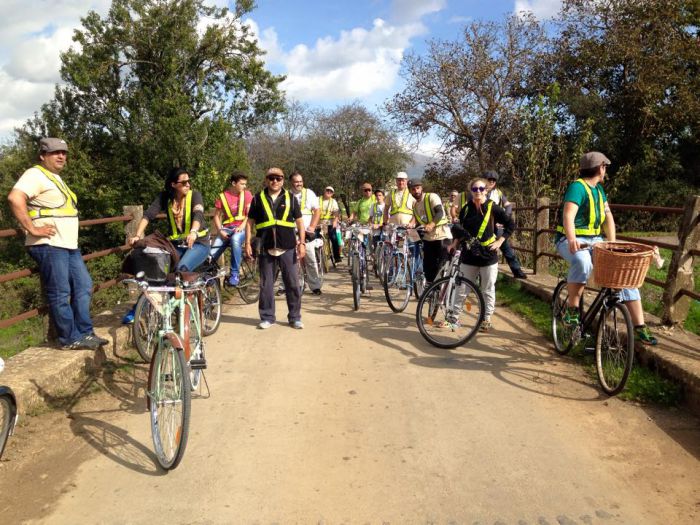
621, 264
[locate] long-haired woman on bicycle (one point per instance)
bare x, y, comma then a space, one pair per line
478, 219
184, 208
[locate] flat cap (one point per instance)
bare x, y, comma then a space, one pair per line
51, 144
593, 159
491, 175
275, 171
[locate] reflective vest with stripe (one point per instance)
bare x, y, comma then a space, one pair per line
327, 213
376, 214
240, 215
304, 209
482, 228
270, 220
594, 222
69, 208
428, 213
399, 208
174, 234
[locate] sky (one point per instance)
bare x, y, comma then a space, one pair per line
332, 51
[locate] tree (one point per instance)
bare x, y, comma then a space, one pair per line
469, 91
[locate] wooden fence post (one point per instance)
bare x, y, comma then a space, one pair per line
680, 269
130, 227
540, 240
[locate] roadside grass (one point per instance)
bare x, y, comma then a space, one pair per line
17, 338
644, 385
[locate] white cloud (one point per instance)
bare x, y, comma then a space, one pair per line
460, 19
356, 63
542, 9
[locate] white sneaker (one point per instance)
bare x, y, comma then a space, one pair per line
297, 325
263, 325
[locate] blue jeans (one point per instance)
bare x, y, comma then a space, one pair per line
236, 241
192, 258
68, 288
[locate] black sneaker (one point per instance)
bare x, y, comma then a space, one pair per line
316, 292
82, 344
519, 274
101, 341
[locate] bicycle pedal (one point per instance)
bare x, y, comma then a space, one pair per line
198, 364
589, 350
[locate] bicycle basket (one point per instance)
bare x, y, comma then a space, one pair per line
621, 264
153, 262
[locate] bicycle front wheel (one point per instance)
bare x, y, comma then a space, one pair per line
449, 313
147, 320
211, 307
8, 412
249, 281
356, 281
561, 332
169, 399
397, 288
614, 348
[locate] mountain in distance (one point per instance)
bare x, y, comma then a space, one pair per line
416, 167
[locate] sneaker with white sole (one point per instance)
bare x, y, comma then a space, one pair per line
263, 325
298, 325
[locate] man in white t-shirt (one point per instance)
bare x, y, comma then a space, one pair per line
47, 210
311, 213
400, 202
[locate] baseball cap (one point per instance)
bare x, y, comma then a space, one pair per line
491, 175
275, 171
51, 144
593, 159
329, 188
415, 182
402, 175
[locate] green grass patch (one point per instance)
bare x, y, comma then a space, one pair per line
16, 338
644, 385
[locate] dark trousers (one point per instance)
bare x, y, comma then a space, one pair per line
434, 252
509, 254
334, 242
288, 268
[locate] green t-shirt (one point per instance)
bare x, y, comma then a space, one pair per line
361, 209
577, 194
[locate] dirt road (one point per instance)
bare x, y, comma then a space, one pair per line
356, 419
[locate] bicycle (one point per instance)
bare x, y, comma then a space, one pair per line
357, 259
614, 334
8, 412
177, 363
400, 275
451, 310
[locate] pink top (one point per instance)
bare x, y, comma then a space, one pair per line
232, 199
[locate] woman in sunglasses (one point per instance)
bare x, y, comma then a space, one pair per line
184, 209
478, 219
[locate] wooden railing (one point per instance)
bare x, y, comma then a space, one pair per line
679, 284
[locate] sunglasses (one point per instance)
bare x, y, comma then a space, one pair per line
367, 189
478, 189
183, 182
275, 178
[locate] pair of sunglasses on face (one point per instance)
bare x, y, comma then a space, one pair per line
275, 178
478, 189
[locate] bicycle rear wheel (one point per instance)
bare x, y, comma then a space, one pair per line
614, 348
356, 281
8, 412
397, 288
249, 281
211, 307
449, 313
147, 320
169, 400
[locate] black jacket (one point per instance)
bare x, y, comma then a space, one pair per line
470, 219
280, 237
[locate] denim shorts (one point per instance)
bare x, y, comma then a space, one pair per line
581, 264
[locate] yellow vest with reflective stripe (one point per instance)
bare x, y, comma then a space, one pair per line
593, 227
378, 217
304, 210
428, 213
482, 228
327, 213
270, 220
174, 235
240, 215
69, 207
396, 208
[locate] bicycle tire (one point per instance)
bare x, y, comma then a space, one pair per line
147, 321
211, 307
319, 266
170, 400
249, 282
614, 348
449, 315
8, 412
356, 282
194, 346
397, 288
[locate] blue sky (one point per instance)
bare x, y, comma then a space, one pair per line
333, 52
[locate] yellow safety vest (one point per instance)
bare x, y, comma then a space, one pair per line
428, 213
593, 227
378, 218
271, 221
482, 228
304, 211
240, 215
68, 209
174, 235
327, 213
402, 208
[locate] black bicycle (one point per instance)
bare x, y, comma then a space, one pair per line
8, 412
